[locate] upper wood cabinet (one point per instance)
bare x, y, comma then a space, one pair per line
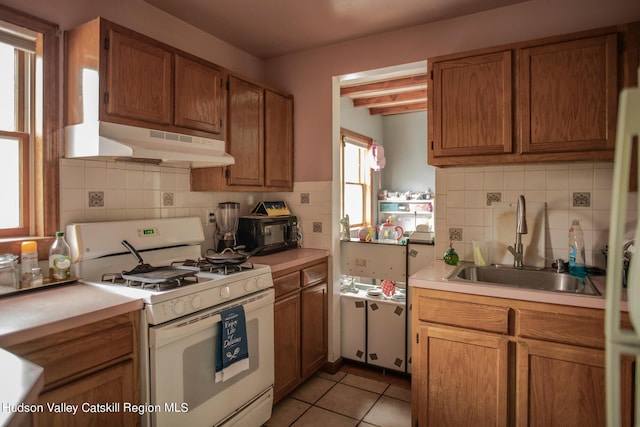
259, 137
116, 75
138, 79
200, 96
278, 140
245, 140
472, 105
568, 95
553, 99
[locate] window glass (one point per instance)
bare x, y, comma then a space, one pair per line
7, 88
11, 192
356, 179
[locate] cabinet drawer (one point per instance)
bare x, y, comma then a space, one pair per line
463, 314
68, 353
314, 274
561, 328
287, 283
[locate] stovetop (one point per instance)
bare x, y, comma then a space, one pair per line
204, 289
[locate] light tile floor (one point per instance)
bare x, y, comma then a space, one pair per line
351, 397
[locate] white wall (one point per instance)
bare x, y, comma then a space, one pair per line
405, 148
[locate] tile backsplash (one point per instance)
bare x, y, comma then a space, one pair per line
92, 191
570, 190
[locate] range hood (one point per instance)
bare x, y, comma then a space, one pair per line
111, 141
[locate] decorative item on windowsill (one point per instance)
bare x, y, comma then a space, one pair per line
345, 234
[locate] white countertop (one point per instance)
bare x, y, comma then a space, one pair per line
432, 277
31, 315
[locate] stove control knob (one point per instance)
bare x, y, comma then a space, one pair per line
196, 302
225, 292
264, 282
178, 307
251, 284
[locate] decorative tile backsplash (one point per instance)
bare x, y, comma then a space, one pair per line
93, 191
570, 190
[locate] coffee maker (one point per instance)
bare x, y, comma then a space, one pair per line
227, 215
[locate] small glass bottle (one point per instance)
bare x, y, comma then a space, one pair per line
28, 260
36, 276
59, 259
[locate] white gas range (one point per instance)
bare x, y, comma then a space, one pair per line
180, 328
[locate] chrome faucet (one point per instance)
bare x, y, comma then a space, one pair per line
521, 228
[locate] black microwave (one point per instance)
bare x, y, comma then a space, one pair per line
268, 234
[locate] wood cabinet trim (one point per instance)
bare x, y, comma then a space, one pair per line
475, 316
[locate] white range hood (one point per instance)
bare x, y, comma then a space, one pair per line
111, 141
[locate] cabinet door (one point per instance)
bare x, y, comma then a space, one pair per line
472, 105
199, 96
109, 386
386, 335
139, 80
560, 385
278, 140
287, 345
461, 377
568, 95
245, 137
314, 328
353, 328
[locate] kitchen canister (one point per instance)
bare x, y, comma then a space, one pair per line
9, 271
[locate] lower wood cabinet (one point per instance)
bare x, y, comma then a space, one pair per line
462, 377
300, 320
94, 364
518, 363
287, 343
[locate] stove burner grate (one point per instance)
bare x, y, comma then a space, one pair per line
207, 267
171, 283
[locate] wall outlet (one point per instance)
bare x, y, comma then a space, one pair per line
209, 217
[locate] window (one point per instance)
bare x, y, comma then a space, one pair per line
29, 129
356, 178
17, 83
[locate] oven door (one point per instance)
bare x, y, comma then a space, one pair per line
182, 368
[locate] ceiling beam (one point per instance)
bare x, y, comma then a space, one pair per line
399, 109
391, 99
415, 81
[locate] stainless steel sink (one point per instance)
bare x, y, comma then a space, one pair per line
536, 279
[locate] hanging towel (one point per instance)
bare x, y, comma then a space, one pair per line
232, 351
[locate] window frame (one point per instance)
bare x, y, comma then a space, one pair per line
366, 143
47, 145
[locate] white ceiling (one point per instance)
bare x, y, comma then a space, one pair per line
271, 28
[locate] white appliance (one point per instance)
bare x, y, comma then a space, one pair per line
113, 141
179, 325
620, 341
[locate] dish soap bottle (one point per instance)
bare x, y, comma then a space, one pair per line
576, 249
59, 259
451, 257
